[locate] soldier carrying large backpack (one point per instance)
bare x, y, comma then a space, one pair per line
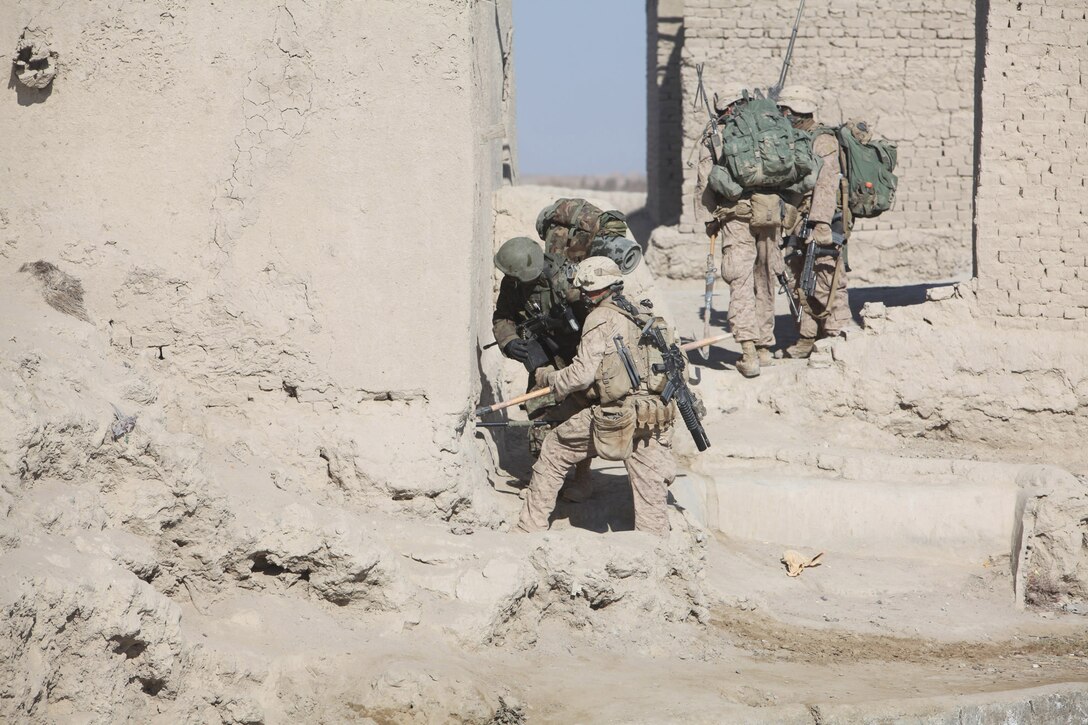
741, 200
855, 180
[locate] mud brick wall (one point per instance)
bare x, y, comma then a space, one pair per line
908, 67
1032, 197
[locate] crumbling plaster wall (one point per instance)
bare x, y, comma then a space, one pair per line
907, 67
1033, 189
255, 193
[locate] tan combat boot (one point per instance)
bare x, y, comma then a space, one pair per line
748, 365
766, 359
802, 349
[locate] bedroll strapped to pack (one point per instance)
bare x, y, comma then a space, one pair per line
569, 226
867, 165
762, 151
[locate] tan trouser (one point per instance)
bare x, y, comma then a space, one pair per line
750, 262
838, 312
651, 468
579, 488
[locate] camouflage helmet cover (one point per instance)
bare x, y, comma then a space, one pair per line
727, 95
596, 273
521, 258
799, 99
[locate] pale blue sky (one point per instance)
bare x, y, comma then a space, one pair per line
580, 68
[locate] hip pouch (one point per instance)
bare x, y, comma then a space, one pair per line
740, 210
767, 212
614, 431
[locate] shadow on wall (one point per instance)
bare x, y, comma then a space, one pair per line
665, 142
898, 296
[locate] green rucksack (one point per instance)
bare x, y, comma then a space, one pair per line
762, 152
868, 166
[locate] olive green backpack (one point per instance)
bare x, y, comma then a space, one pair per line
868, 166
762, 152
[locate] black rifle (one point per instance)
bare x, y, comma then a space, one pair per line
542, 329
803, 243
672, 367
777, 87
676, 388
537, 324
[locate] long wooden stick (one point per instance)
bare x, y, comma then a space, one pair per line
518, 400
705, 342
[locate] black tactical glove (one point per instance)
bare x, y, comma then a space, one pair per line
517, 349
536, 357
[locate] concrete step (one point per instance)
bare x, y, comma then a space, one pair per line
897, 515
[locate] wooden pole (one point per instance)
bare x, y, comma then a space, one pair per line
484, 410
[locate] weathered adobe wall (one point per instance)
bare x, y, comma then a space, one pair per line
1033, 195
908, 67
250, 189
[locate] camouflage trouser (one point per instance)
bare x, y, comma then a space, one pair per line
651, 468
578, 488
750, 262
838, 311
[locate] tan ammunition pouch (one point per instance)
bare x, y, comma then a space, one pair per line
614, 431
652, 414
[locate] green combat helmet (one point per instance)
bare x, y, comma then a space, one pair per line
521, 258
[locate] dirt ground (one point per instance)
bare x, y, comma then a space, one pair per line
858, 630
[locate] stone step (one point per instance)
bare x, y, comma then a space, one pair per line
895, 514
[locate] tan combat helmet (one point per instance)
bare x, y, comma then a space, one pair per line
596, 273
799, 99
521, 258
727, 95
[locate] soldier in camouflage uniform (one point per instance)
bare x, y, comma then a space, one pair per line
828, 312
649, 460
751, 258
537, 321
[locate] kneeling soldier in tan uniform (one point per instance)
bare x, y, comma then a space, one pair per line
632, 425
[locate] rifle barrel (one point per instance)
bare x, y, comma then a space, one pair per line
788, 60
